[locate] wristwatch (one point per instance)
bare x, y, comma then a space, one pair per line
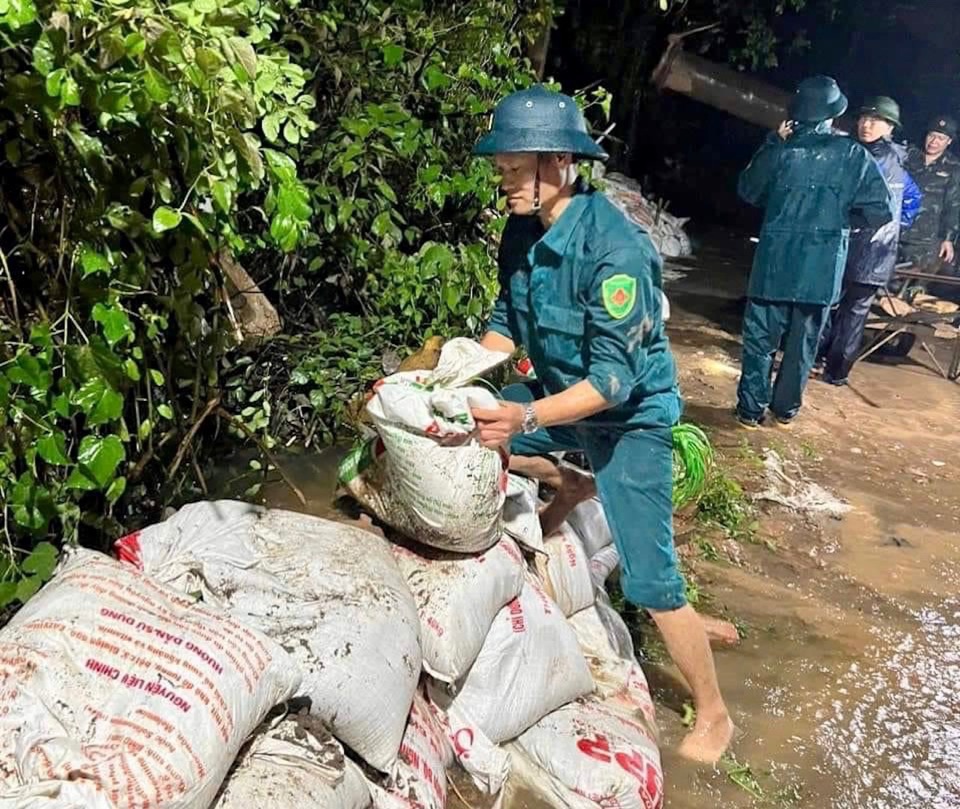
530, 423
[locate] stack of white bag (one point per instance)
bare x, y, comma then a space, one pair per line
424, 475
118, 692
601, 750
529, 665
331, 594
498, 652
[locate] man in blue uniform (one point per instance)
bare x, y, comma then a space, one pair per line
809, 181
580, 289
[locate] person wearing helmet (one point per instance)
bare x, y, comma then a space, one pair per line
873, 251
809, 181
580, 290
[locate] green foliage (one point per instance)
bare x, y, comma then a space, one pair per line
130, 134
326, 145
404, 89
752, 33
725, 505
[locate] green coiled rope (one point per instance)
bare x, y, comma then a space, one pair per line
693, 459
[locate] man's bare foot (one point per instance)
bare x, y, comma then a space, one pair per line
708, 740
574, 488
719, 632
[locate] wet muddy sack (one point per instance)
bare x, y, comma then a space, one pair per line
458, 598
291, 763
149, 695
424, 475
330, 594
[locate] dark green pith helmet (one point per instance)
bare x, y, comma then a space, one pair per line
539, 120
817, 99
882, 107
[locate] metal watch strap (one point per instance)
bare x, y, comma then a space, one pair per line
530, 422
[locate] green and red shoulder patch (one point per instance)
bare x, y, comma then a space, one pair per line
619, 294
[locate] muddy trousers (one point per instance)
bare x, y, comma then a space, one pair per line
843, 335
769, 326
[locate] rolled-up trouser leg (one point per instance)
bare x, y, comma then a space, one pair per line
634, 475
805, 325
849, 321
764, 324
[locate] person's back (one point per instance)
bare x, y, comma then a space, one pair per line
809, 185
809, 182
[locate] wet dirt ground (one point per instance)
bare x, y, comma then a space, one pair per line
846, 686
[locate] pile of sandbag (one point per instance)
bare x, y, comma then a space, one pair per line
666, 230
117, 692
239, 656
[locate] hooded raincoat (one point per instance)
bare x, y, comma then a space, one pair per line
810, 186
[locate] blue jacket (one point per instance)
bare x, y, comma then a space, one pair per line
873, 251
584, 299
810, 185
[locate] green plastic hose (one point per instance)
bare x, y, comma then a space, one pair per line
692, 461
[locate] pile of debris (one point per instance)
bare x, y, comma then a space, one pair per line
235, 656
666, 231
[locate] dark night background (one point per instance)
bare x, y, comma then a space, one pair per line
689, 153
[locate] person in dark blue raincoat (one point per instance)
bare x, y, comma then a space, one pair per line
810, 182
580, 290
873, 251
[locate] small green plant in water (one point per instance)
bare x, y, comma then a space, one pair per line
725, 504
742, 775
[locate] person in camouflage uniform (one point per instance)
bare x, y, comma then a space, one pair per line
930, 242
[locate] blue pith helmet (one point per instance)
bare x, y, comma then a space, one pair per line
817, 99
539, 120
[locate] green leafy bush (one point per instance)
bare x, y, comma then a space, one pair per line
131, 134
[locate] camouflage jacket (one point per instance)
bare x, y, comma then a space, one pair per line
939, 218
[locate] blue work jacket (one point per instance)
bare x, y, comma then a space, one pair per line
584, 298
809, 186
873, 251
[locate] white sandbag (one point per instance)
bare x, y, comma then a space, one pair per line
617, 678
604, 564
521, 512
331, 594
601, 631
118, 692
590, 523
487, 764
529, 665
420, 778
565, 571
617, 630
457, 598
291, 764
596, 755
424, 476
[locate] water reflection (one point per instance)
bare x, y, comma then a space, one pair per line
893, 738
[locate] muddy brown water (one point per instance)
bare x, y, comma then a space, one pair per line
846, 687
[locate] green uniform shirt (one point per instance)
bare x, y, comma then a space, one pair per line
584, 299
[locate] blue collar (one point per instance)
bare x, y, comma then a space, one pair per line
558, 235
